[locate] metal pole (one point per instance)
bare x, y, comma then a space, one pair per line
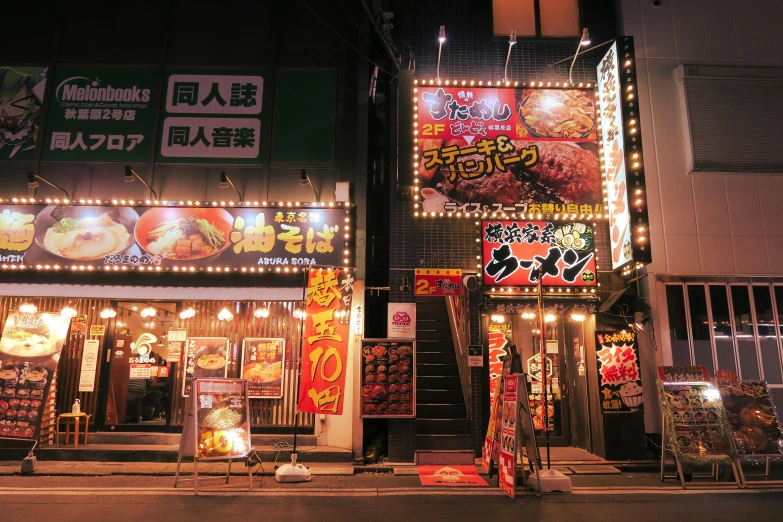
542, 354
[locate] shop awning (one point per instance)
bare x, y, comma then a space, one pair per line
129, 292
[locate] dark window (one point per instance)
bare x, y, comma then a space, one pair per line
678, 327
700, 327
743, 323
768, 341
721, 328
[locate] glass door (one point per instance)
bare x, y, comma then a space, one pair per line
138, 391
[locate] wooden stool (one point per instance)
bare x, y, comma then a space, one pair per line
75, 417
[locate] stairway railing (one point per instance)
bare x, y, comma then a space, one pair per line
459, 320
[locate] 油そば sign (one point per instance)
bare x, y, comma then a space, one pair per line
516, 252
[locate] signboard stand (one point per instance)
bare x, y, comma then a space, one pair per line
695, 431
188, 444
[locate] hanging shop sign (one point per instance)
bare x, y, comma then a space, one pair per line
388, 378
212, 117
524, 150
498, 337
438, 282
669, 374
401, 321
327, 331
101, 114
263, 362
696, 422
754, 421
619, 376
29, 353
97, 330
204, 357
218, 426
534, 368
169, 238
515, 252
22, 96
621, 152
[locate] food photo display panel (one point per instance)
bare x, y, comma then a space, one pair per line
388, 378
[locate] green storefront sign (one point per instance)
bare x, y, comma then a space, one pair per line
21, 98
212, 116
101, 114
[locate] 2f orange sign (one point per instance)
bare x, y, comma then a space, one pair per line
438, 281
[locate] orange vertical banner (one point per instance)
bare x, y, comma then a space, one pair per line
327, 331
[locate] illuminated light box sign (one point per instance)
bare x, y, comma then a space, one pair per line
173, 238
514, 252
506, 150
622, 158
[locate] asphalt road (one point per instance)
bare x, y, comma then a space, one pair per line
151, 499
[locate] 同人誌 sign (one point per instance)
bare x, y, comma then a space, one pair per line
172, 238
212, 118
619, 375
614, 158
516, 251
21, 98
507, 150
101, 114
327, 331
437, 281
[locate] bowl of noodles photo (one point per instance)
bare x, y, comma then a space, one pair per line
210, 357
221, 416
75, 233
267, 368
554, 113
34, 341
184, 234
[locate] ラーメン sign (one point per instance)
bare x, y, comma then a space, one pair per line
168, 238
212, 117
101, 114
517, 253
522, 150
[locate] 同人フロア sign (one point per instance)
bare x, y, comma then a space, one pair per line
101, 114
516, 252
212, 118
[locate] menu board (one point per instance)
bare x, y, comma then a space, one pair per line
29, 352
753, 418
388, 378
508, 438
204, 357
263, 362
696, 421
221, 418
173, 238
619, 376
683, 374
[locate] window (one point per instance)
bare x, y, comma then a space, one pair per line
536, 17
716, 102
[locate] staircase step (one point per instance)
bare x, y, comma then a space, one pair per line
427, 382
437, 396
435, 357
441, 426
437, 369
430, 345
443, 336
441, 411
443, 442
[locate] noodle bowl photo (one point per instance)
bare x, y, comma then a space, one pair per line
85, 233
184, 234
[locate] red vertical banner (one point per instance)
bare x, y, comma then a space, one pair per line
327, 331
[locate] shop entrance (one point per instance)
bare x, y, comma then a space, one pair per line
139, 389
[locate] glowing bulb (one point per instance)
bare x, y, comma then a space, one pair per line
149, 312
28, 308
108, 313
549, 318
187, 313
261, 313
225, 315
69, 312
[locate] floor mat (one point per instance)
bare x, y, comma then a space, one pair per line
455, 476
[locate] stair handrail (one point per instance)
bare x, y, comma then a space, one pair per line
459, 321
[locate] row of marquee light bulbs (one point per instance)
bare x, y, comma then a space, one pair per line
149, 311
530, 316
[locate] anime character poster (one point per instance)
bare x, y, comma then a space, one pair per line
21, 98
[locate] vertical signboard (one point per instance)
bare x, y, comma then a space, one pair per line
619, 375
212, 118
327, 332
499, 335
21, 98
101, 114
29, 352
221, 419
401, 323
508, 438
89, 365
623, 161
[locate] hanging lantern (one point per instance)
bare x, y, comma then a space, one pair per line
225, 315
